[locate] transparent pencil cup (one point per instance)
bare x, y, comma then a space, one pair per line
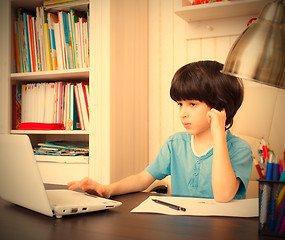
272, 208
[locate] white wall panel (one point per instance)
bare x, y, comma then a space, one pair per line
167, 50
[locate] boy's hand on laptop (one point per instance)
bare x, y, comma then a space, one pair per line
90, 186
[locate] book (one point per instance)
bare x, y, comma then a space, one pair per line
47, 41
72, 122
62, 148
83, 33
83, 99
79, 105
82, 105
67, 39
51, 102
40, 126
72, 37
59, 46
31, 38
26, 42
73, 145
40, 38
47, 44
16, 111
52, 19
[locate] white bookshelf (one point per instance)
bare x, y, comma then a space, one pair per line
117, 140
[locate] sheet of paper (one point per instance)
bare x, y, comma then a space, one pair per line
200, 207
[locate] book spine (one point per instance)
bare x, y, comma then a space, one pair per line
47, 47
79, 107
26, 44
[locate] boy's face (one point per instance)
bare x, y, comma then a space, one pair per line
193, 115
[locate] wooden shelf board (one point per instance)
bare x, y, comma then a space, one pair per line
70, 74
67, 132
218, 10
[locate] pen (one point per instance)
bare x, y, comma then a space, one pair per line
264, 149
275, 169
269, 170
280, 218
273, 214
282, 179
260, 154
264, 204
179, 208
258, 169
281, 163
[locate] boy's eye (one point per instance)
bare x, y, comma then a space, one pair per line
193, 104
179, 103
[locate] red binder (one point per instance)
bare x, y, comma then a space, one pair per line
41, 126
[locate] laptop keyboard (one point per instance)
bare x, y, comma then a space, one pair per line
67, 197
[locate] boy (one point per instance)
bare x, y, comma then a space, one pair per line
206, 160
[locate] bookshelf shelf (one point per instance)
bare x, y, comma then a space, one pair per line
59, 132
68, 74
218, 18
218, 10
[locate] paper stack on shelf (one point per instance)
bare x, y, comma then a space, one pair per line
62, 152
62, 148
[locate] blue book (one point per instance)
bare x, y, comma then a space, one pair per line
76, 123
26, 43
67, 38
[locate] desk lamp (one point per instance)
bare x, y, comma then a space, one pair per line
258, 54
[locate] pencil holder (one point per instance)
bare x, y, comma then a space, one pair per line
272, 208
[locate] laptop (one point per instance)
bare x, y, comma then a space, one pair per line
21, 183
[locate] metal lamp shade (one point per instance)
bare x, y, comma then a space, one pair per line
259, 52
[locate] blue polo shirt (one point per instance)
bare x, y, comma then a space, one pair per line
191, 175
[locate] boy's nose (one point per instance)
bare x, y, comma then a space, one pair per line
183, 113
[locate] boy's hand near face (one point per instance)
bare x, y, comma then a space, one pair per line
225, 184
217, 119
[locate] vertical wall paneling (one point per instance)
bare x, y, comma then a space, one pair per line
277, 131
222, 47
167, 50
129, 88
208, 50
154, 77
180, 54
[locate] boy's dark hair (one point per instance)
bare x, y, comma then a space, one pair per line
204, 82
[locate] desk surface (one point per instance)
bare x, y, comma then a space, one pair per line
119, 224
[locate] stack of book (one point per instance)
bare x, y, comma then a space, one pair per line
53, 102
47, 41
62, 151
